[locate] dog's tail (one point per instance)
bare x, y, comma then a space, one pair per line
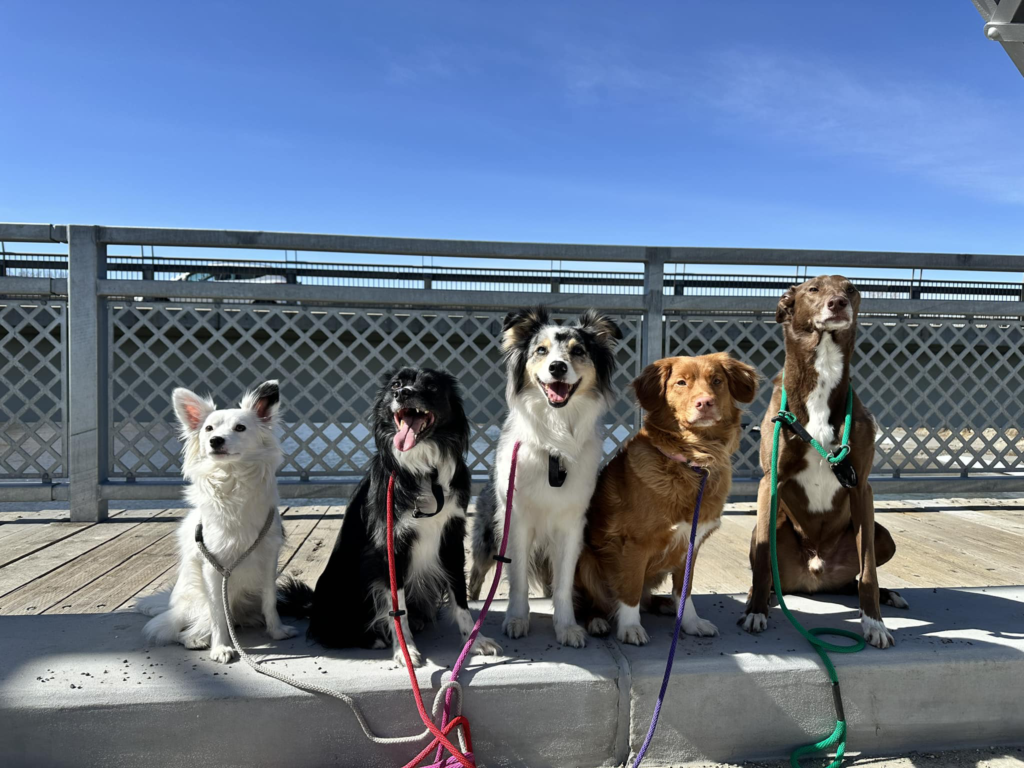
294, 597
153, 605
163, 628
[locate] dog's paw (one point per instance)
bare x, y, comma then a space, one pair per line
516, 626
283, 632
414, 656
634, 634
896, 601
598, 627
571, 635
484, 646
222, 654
699, 627
876, 633
755, 622
196, 643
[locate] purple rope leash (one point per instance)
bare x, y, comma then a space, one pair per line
679, 620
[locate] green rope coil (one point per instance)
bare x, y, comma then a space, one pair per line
838, 736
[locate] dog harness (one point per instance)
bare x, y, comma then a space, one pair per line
556, 475
838, 460
438, 492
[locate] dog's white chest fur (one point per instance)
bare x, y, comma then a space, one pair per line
817, 480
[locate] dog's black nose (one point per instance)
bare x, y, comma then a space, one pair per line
838, 303
558, 368
216, 442
403, 394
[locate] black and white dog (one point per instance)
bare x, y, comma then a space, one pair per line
422, 434
559, 387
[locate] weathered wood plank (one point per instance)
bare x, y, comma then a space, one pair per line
119, 585
38, 595
311, 558
50, 558
299, 522
22, 544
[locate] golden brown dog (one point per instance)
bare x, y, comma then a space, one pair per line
640, 515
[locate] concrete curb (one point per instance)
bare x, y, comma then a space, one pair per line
84, 690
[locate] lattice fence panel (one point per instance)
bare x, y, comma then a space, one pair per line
948, 394
329, 361
33, 406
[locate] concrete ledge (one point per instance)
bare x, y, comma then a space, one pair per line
83, 690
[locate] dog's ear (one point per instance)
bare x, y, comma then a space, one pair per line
649, 386
601, 326
784, 312
521, 324
742, 379
265, 400
191, 409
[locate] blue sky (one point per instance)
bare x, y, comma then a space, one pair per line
803, 125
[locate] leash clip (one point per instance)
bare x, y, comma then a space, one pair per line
836, 457
199, 533
396, 614
787, 418
502, 559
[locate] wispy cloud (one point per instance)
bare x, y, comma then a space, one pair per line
934, 131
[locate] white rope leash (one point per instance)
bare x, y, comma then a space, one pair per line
313, 687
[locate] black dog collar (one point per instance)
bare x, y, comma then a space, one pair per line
556, 475
438, 492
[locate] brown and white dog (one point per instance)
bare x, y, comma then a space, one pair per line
638, 523
826, 534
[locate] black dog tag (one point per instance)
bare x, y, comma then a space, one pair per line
556, 475
845, 473
438, 493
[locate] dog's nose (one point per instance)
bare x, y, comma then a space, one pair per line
838, 303
216, 442
705, 403
558, 368
403, 394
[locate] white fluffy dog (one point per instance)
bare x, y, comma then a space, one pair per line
230, 459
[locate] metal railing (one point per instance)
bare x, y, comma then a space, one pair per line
85, 411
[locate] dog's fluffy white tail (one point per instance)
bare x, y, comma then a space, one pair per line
162, 629
153, 605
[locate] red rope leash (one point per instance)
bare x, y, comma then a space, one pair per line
446, 727
440, 736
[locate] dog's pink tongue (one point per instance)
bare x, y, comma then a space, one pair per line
405, 438
558, 391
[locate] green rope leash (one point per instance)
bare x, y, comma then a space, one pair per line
838, 735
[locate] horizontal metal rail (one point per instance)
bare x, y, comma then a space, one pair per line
101, 345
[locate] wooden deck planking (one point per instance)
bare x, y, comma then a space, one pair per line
49, 559
42, 593
299, 522
91, 568
310, 558
150, 551
27, 539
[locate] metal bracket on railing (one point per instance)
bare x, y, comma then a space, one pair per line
1004, 33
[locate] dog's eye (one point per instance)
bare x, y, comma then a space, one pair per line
812, 289
542, 350
396, 385
578, 351
209, 428
717, 382
681, 383
849, 289
239, 427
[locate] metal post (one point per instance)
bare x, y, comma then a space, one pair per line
87, 384
654, 305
